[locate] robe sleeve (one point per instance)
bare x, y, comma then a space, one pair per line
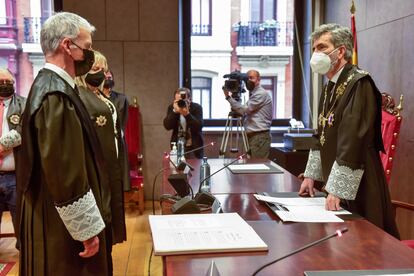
62, 152
313, 168
357, 122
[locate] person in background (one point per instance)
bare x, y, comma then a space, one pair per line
121, 103
106, 122
347, 158
65, 208
118, 99
257, 114
11, 110
185, 118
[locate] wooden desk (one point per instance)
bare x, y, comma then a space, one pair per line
225, 182
364, 246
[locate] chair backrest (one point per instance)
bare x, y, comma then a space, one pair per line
133, 140
133, 134
390, 128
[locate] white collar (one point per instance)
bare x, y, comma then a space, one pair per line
62, 73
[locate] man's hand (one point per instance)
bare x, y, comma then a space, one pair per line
91, 247
306, 188
226, 92
333, 203
182, 110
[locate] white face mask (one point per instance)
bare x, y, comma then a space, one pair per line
321, 63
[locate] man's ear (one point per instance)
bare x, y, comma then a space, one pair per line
65, 45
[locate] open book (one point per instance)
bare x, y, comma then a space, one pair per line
203, 233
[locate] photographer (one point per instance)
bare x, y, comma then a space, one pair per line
257, 115
185, 118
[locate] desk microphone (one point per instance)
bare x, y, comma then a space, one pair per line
337, 233
183, 164
208, 198
199, 148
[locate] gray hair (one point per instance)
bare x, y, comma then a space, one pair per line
340, 36
60, 26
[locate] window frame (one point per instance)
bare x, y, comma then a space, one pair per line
209, 25
298, 98
202, 88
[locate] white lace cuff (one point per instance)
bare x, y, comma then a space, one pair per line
11, 139
343, 181
82, 218
314, 167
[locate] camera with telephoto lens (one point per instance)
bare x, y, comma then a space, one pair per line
234, 83
182, 101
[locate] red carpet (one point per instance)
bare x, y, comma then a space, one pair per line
5, 268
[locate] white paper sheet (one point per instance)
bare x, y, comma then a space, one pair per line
308, 216
304, 209
293, 201
248, 167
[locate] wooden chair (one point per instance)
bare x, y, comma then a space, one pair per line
135, 157
390, 128
407, 206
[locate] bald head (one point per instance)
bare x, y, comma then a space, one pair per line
6, 84
5, 74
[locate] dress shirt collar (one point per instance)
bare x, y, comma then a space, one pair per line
335, 78
62, 73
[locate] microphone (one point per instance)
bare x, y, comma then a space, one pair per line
338, 233
199, 148
206, 197
183, 164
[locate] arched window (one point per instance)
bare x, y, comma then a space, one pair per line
201, 94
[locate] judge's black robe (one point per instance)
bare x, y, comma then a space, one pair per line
348, 161
63, 184
101, 118
121, 103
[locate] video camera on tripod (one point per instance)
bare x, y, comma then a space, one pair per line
234, 84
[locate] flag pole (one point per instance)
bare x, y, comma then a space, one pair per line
354, 34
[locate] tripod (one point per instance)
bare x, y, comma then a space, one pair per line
229, 133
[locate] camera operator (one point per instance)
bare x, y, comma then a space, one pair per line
257, 115
185, 118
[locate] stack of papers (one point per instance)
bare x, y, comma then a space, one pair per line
202, 233
303, 209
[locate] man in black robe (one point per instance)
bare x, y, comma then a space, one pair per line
349, 131
65, 205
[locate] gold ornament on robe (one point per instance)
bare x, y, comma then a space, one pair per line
101, 120
14, 119
329, 117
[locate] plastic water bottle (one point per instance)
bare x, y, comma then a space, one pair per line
173, 154
205, 172
180, 149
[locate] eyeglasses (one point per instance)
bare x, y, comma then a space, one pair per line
6, 82
90, 47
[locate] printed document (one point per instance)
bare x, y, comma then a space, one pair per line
202, 233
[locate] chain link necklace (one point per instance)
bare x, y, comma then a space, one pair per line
328, 118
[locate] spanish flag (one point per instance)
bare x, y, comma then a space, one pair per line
354, 34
